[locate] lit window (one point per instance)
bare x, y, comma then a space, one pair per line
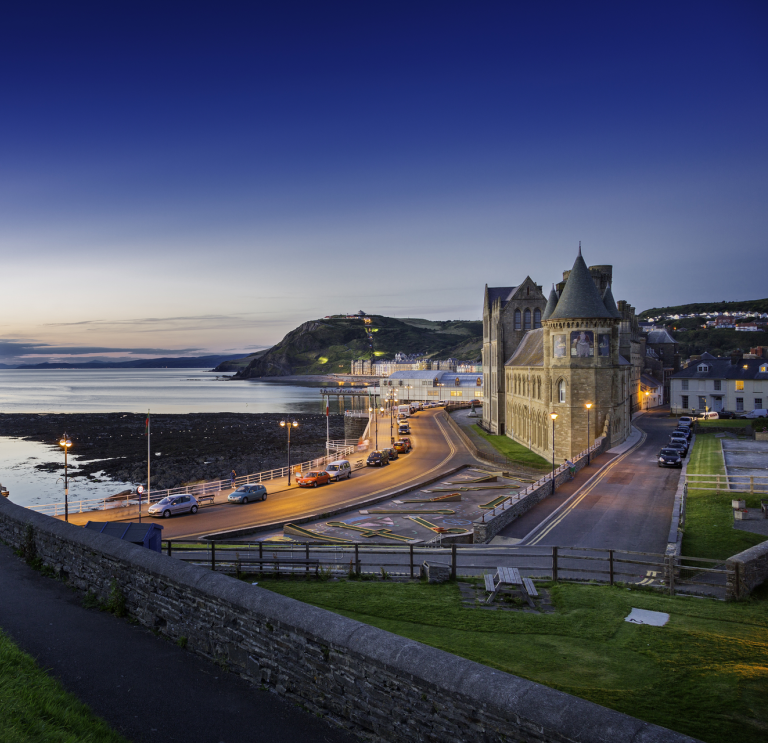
432, 393
561, 391
739, 385
478, 393
456, 393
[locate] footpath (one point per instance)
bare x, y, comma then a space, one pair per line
144, 687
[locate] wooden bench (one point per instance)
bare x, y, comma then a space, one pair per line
529, 587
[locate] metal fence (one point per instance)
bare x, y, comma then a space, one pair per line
576, 564
340, 449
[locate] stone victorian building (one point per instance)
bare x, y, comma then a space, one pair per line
509, 312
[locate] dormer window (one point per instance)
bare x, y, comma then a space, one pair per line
703, 368
764, 368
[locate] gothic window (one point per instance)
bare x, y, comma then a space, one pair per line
538, 388
561, 391
518, 324
537, 318
527, 319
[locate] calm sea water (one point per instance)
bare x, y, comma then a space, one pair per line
126, 391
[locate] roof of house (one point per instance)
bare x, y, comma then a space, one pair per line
707, 355
649, 381
722, 368
660, 336
551, 304
446, 377
580, 297
530, 352
623, 361
610, 302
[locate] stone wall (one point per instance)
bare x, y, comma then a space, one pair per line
378, 684
494, 521
746, 571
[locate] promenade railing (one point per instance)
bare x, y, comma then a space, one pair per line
338, 449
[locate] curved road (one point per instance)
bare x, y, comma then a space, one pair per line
435, 451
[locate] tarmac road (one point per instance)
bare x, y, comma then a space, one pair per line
627, 506
434, 450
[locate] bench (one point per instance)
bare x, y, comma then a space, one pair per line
205, 500
529, 587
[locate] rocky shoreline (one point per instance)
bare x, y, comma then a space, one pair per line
185, 448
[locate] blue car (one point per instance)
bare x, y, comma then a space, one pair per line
247, 494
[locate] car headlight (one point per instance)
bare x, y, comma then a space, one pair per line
661, 459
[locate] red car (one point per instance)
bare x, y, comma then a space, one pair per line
313, 479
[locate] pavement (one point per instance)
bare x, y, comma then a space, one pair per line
627, 505
144, 687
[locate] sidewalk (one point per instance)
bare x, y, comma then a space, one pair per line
145, 687
462, 418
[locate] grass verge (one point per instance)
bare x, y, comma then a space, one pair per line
703, 674
35, 707
709, 528
723, 423
514, 451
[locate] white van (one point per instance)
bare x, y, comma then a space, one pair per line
712, 415
339, 470
757, 413
403, 410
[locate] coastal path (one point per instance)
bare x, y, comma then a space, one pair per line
437, 451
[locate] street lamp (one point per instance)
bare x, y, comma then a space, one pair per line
553, 416
289, 425
65, 443
372, 417
588, 406
646, 399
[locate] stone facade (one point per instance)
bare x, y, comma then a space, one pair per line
746, 571
382, 686
508, 314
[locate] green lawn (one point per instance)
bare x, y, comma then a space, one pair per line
514, 451
724, 423
704, 674
34, 707
709, 528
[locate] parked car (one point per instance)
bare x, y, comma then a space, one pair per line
408, 441
247, 493
679, 440
377, 459
403, 428
685, 420
174, 504
682, 448
683, 431
710, 415
313, 478
757, 413
670, 458
392, 453
339, 470
724, 414
400, 447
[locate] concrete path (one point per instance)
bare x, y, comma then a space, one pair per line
145, 687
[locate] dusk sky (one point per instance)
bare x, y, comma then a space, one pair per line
198, 178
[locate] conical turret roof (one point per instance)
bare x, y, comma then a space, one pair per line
551, 304
580, 297
610, 303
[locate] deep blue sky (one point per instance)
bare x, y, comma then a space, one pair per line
205, 176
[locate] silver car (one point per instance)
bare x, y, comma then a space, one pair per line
174, 504
246, 493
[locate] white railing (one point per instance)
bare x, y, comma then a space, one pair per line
356, 413
339, 448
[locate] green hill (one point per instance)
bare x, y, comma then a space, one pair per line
746, 305
328, 346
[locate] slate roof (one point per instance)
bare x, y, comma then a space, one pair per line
623, 361
530, 352
722, 368
649, 381
580, 297
660, 336
610, 302
707, 355
504, 293
551, 304
448, 378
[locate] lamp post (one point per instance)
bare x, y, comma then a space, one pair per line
553, 416
646, 399
289, 425
588, 406
65, 443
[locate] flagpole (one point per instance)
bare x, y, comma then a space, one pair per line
149, 487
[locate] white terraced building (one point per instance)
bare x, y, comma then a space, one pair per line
448, 386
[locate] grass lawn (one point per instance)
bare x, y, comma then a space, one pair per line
724, 423
709, 528
35, 707
704, 674
514, 451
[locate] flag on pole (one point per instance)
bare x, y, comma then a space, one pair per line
146, 425
326, 406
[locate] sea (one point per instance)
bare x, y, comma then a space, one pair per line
128, 391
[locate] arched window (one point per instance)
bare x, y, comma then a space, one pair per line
458, 382
518, 324
561, 391
537, 318
479, 381
527, 319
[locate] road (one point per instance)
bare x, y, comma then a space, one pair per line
436, 450
627, 506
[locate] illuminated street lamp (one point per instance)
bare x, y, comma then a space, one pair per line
588, 406
646, 399
289, 425
65, 443
553, 416
371, 416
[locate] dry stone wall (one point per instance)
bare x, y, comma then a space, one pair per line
380, 685
746, 571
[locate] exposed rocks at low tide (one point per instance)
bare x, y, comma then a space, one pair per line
185, 448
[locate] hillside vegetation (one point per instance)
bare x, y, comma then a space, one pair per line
746, 305
329, 346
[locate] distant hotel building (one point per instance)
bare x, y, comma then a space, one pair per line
366, 367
